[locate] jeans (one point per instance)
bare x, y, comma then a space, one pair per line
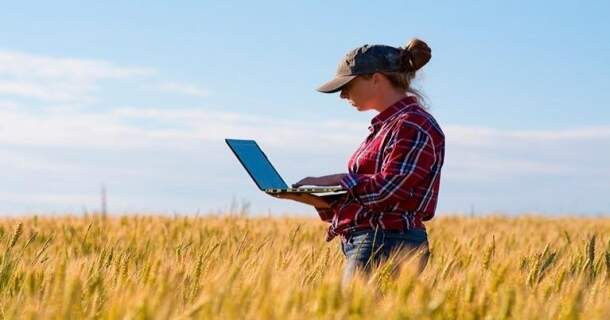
366, 249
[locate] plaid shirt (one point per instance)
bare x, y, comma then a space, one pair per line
394, 176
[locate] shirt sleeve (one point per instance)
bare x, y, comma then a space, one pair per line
334, 201
408, 160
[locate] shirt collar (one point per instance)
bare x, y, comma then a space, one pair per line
400, 105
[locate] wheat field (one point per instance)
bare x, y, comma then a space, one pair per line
238, 267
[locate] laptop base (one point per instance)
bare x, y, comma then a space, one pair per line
307, 190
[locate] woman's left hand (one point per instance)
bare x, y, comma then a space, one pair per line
330, 180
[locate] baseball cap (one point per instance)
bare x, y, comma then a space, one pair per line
366, 59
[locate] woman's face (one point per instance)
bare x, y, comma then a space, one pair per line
360, 93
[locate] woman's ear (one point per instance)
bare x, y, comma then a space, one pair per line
377, 79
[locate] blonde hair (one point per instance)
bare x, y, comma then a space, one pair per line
412, 58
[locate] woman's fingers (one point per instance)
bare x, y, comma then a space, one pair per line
303, 182
330, 180
300, 183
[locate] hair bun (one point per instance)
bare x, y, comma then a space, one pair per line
415, 55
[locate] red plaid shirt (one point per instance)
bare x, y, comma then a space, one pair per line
394, 176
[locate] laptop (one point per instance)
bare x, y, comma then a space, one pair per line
262, 171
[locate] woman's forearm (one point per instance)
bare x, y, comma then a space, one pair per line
308, 199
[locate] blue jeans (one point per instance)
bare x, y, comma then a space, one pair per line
366, 249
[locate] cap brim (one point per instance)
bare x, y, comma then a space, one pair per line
335, 84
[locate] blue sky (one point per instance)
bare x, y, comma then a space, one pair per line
138, 96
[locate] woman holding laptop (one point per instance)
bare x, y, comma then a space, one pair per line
393, 177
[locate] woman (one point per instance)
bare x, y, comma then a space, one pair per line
394, 176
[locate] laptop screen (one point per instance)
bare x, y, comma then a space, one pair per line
256, 163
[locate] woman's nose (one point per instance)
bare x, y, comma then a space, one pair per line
343, 94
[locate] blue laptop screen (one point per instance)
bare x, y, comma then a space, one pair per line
256, 163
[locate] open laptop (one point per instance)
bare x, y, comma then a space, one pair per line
262, 171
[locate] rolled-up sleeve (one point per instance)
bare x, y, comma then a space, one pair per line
407, 161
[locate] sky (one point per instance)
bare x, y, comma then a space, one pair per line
138, 97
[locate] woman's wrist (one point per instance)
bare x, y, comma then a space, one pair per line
321, 204
318, 202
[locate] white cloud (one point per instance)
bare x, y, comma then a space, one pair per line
462, 135
57, 79
205, 125
488, 153
121, 128
47, 91
583, 134
475, 157
52, 198
470, 151
7, 104
185, 89
67, 129
27, 66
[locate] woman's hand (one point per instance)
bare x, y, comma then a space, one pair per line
330, 180
305, 198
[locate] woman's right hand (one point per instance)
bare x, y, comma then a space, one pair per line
305, 198
329, 180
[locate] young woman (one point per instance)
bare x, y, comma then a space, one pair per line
394, 176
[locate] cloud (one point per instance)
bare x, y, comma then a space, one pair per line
471, 151
63, 129
467, 136
185, 89
58, 79
51, 154
140, 148
27, 66
50, 198
205, 125
477, 153
47, 91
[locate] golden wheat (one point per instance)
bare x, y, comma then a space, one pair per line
234, 267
